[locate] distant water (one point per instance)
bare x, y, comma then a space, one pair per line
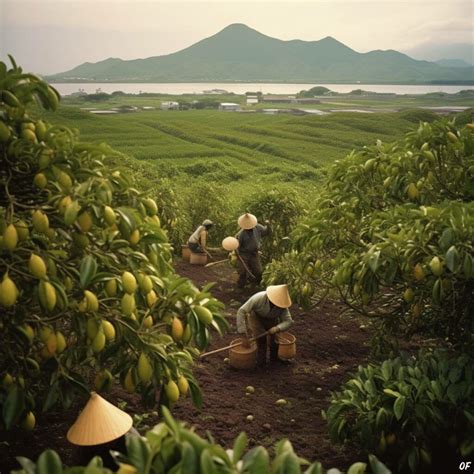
240, 88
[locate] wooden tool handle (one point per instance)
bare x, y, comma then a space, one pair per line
216, 351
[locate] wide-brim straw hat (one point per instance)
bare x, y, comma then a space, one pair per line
230, 244
279, 295
247, 221
100, 422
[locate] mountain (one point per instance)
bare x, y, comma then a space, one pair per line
452, 63
241, 54
432, 51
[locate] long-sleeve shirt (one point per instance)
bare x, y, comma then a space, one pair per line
250, 240
260, 305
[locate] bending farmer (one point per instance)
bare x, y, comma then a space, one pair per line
250, 237
197, 241
266, 311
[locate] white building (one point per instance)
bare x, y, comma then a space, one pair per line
252, 100
169, 106
229, 107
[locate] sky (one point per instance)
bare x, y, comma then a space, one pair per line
47, 37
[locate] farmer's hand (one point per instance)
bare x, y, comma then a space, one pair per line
273, 330
266, 221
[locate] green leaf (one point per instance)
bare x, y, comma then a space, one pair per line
357, 468
399, 407
452, 259
138, 452
413, 459
376, 466
52, 397
386, 370
240, 445
71, 213
13, 407
196, 394
374, 261
391, 392
28, 466
87, 271
315, 468
189, 459
207, 465
287, 463
256, 461
381, 418
446, 238
49, 463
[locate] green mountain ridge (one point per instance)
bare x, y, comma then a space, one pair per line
241, 54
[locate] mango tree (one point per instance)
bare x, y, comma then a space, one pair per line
392, 234
87, 290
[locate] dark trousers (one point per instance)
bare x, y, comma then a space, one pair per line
195, 248
254, 264
257, 326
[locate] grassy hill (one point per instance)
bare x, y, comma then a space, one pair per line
236, 150
239, 53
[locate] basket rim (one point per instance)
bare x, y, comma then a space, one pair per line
286, 342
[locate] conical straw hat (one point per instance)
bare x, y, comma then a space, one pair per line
279, 295
230, 244
100, 422
247, 221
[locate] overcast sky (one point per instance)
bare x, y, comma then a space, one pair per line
54, 36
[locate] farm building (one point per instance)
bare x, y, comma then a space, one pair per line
252, 100
229, 106
169, 105
279, 99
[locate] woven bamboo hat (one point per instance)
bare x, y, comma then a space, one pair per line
100, 422
230, 244
279, 295
247, 221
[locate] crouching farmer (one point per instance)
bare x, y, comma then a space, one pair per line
198, 239
265, 311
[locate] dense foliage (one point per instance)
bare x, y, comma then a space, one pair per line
87, 287
282, 208
393, 232
171, 447
413, 411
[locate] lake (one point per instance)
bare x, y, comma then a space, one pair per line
241, 88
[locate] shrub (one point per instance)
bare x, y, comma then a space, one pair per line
413, 411
172, 447
87, 286
394, 230
208, 201
282, 208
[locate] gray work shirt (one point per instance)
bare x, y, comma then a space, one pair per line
260, 304
250, 240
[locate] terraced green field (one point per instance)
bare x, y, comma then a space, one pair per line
238, 148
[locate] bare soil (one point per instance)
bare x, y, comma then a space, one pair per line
329, 348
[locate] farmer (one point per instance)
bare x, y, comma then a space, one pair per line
250, 236
100, 428
265, 311
197, 241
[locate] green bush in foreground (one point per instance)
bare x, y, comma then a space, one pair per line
413, 411
171, 447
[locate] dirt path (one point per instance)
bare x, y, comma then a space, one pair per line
329, 347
